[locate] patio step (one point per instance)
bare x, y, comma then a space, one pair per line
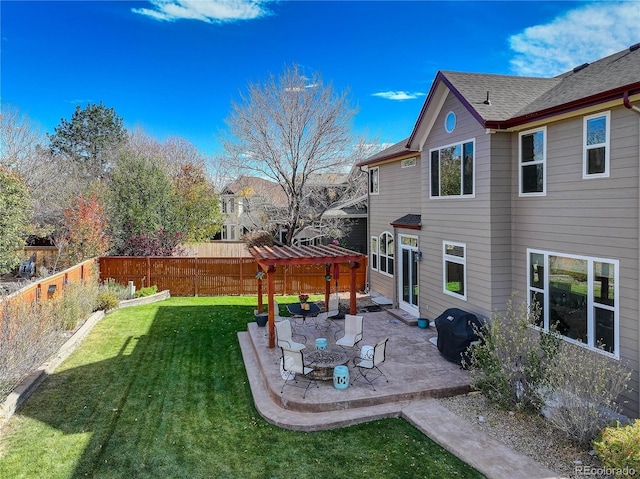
401, 315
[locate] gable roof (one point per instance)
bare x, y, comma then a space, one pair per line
251, 186
395, 151
503, 101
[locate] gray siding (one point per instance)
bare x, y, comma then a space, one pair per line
481, 222
400, 193
590, 217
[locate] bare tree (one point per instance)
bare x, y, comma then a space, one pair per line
295, 131
19, 137
51, 182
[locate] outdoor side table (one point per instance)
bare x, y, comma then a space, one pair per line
341, 377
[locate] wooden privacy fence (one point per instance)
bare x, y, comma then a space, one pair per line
189, 276
53, 285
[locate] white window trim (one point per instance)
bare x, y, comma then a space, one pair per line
461, 196
371, 170
585, 148
376, 253
386, 256
530, 163
454, 259
590, 320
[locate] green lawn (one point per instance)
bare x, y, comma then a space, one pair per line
160, 391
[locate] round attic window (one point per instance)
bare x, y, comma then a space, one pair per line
450, 122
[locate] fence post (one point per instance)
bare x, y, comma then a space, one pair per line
148, 272
197, 276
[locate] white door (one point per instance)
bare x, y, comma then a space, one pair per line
408, 274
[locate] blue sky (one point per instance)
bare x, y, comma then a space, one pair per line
172, 67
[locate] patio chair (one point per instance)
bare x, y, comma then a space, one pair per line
353, 326
284, 336
323, 320
293, 368
368, 369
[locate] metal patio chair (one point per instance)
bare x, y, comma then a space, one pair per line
368, 369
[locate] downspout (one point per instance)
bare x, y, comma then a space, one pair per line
634, 108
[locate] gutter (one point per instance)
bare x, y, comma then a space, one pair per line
627, 103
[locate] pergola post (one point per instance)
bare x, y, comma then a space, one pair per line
352, 288
327, 286
271, 283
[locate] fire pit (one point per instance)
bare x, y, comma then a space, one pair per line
323, 361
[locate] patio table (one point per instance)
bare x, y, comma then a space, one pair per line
295, 309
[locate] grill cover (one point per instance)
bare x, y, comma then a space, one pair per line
456, 333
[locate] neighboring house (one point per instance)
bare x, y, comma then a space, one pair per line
512, 184
253, 203
354, 214
249, 204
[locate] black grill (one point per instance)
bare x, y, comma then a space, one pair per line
456, 332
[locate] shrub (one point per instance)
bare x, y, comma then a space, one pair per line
583, 387
29, 334
258, 238
107, 300
143, 292
120, 291
509, 364
618, 447
76, 303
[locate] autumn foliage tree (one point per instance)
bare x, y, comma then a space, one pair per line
198, 206
85, 229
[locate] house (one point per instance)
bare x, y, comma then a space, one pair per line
512, 184
249, 204
253, 203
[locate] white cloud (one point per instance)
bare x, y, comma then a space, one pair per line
579, 36
399, 95
209, 11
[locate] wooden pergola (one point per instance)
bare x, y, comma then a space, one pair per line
269, 258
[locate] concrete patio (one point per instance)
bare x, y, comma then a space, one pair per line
417, 375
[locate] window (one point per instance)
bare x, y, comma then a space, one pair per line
454, 266
533, 153
578, 295
386, 253
374, 178
374, 253
224, 205
450, 122
224, 234
231, 205
452, 170
596, 146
